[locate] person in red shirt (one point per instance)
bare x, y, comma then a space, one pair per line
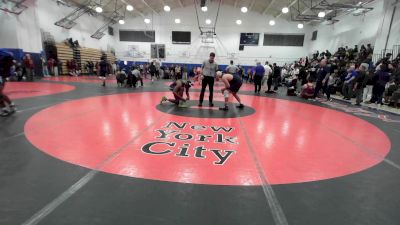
29, 67
308, 90
50, 65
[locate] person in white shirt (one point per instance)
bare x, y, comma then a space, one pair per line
231, 69
267, 74
283, 73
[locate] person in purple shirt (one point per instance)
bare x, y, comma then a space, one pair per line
380, 79
258, 76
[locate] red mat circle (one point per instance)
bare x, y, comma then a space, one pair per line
294, 142
17, 90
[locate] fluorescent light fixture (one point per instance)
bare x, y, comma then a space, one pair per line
321, 14
272, 22
147, 20
244, 9
238, 22
285, 10
208, 21
167, 8
177, 20
129, 7
300, 26
204, 8
99, 9
121, 22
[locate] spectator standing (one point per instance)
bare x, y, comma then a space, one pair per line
267, 75
380, 79
232, 69
258, 76
349, 83
321, 74
360, 82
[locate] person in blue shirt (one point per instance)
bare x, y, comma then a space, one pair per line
258, 76
322, 71
192, 73
348, 84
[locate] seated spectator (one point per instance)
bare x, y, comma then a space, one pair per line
391, 87
308, 90
121, 77
395, 98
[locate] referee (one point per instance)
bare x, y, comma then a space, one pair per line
209, 68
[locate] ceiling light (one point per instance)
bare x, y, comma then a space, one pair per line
121, 22
204, 8
167, 8
238, 22
99, 9
321, 14
177, 20
285, 10
244, 9
129, 7
300, 26
208, 21
147, 20
272, 22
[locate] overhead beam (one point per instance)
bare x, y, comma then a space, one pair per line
135, 9
236, 2
268, 7
140, 13
180, 3
290, 5
144, 2
252, 4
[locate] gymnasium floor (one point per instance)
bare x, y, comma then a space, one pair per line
77, 153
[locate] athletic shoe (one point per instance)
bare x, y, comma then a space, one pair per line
183, 105
200, 105
241, 106
211, 105
224, 108
12, 109
5, 112
163, 99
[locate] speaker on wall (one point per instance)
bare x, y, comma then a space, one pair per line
110, 31
241, 47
